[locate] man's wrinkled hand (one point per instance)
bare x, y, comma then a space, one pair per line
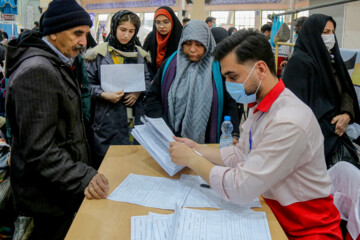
97, 188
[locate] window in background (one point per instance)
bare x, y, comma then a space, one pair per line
303, 14
264, 14
244, 19
221, 17
148, 20
103, 17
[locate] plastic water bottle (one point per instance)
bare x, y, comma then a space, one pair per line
226, 129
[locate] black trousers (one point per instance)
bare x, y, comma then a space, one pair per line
49, 227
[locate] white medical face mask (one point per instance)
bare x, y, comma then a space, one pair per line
329, 40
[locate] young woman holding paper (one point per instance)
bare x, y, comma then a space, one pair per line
110, 115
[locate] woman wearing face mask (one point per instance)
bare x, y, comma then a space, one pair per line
231, 31
110, 120
164, 38
317, 74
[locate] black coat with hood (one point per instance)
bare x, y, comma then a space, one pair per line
50, 154
312, 73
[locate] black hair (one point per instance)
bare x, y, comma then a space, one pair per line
248, 45
185, 19
265, 27
300, 21
132, 18
36, 23
210, 19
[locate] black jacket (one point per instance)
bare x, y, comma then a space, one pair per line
310, 76
50, 154
105, 130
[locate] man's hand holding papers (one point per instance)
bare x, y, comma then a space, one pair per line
183, 155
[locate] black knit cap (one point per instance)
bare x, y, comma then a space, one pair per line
62, 15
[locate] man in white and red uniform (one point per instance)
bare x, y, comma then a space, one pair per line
280, 154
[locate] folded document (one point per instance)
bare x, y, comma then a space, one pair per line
155, 136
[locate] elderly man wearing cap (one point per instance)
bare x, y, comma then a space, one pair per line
50, 172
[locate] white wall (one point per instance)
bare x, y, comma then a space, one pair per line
351, 38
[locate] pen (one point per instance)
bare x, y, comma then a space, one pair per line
204, 185
198, 153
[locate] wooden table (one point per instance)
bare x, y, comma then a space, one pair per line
110, 220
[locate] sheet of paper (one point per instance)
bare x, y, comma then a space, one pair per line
207, 197
162, 225
190, 224
156, 192
127, 77
141, 228
151, 227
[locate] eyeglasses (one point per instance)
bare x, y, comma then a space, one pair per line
159, 24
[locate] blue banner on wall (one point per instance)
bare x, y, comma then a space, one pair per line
224, 2
135, 4
92, 17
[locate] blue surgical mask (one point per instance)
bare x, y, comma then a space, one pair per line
237, 90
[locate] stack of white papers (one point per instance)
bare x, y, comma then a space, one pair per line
191, 224
156, 192
155, 136
153, 226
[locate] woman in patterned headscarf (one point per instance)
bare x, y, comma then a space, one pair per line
188, 90
110, 123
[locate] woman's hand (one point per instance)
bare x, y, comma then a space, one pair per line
342, 121
113, 97
131, 98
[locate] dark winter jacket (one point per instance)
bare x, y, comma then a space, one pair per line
50, 155
110, 121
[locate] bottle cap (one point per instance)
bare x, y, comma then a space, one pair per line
227, 118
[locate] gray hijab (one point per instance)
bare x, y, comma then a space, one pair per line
191, 93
